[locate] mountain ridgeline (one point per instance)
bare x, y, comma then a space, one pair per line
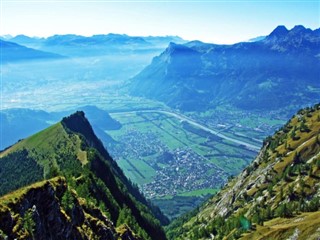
12, 52
92, 198
284, 67
61, 183
96, 45
276, 197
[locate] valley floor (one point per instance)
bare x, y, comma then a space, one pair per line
170, 155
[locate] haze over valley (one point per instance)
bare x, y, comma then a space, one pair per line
170, 149
171, 130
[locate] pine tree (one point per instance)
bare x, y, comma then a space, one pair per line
269, 213
318, 163
291, 194
296, 158
281, 193
68, 201
283, 211
28, 223
293, 133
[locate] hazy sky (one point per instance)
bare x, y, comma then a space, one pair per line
209, 21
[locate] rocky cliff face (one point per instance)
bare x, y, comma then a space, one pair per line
44, 211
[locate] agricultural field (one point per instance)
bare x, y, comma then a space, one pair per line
152, 137
249, 126
170, 158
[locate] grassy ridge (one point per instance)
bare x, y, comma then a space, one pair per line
305, 225
70, 148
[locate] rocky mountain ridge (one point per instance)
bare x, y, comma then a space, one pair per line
197, 76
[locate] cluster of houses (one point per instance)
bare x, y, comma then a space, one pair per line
186, 171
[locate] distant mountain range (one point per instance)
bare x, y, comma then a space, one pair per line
76, 45
280, 70
12, 52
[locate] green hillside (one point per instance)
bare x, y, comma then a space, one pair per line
87, 196
277, 196
71, 149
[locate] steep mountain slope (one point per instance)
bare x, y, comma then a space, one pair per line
283, 67
267, 199
70, 148
49, 210
12, 52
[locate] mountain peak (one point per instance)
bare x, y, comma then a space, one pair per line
282, 39
195, 43
297, 28
279, 31
75, 121
21, 36
78, 123
173, 48
172, 45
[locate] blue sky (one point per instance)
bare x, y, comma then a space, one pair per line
209, 21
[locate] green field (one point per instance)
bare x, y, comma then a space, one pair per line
149, 140
200, 192
172, 134
138, 170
